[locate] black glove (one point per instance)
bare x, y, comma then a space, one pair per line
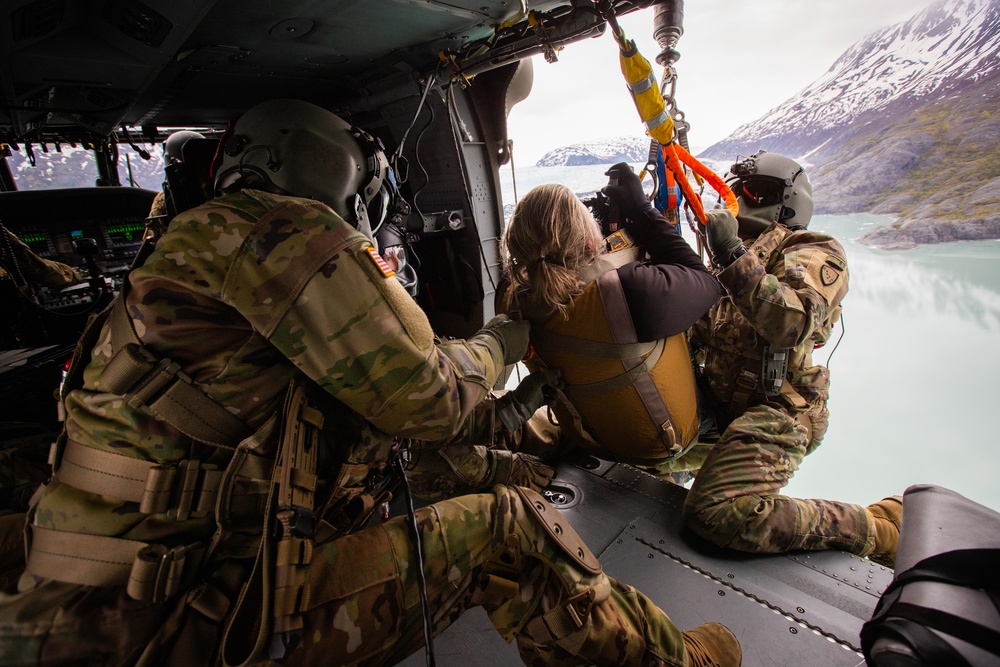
627, 193
512, 335
516, 406
519, 469
722, 237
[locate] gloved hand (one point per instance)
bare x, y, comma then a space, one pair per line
628, 193
723, 240
512, 336
519, 470
516, 406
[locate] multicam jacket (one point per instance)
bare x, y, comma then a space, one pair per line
785, 292
245, 293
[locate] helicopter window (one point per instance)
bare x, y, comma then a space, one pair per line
76, 167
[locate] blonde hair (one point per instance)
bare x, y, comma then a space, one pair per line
551, 236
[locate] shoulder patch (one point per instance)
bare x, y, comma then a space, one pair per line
828, 274
380, 263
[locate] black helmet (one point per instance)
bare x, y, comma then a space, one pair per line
766, 180
297, 148
173, 146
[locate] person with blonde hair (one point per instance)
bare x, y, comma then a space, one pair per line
612, 314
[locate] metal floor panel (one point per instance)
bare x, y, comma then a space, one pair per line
796, 609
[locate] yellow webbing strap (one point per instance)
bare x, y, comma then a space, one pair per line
150, 572
160, 386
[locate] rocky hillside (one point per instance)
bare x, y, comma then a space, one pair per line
905, 122
606, 151
936, 168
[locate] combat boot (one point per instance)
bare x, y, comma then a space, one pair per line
888, 517
712, 645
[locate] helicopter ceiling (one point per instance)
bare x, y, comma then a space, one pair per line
87, 67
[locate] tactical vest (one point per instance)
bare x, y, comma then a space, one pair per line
741, 369
266, 490
624, 399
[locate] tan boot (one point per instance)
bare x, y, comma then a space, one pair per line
888, 516
712, 645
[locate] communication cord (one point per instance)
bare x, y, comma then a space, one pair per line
425, 607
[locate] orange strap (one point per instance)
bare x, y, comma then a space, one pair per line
673, 155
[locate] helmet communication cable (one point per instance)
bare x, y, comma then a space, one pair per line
402, 449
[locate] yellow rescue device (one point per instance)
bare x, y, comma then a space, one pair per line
648, 98
645, 90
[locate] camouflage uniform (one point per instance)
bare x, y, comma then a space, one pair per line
482, 455
248, 293
785, 291
32, 267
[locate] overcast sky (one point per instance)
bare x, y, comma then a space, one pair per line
739, 58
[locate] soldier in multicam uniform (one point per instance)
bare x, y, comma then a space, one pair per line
21, 271
147, 546
785, 284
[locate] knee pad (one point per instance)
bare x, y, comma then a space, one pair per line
527, 526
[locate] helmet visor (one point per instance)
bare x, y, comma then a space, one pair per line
761, 191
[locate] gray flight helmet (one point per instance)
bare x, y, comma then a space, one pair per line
173, 146
773, 186
293, 147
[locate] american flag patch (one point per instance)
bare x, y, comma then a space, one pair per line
380, 263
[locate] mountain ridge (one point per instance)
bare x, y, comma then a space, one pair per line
600, 151
905, 123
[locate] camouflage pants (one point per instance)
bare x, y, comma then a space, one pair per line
364, 607
365, 600
735, 501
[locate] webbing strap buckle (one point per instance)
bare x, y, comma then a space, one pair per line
158, 572
295, 521
158, 380
747, 380
180, 490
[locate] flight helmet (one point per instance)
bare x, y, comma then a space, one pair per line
296, 148
767, 181
173, 146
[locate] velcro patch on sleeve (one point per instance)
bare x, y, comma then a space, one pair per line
384, 268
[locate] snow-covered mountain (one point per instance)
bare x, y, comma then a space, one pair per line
904, 123
948, 47
601, 151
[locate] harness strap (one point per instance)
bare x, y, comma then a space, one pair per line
618, 381
592, 348
150, 572
179, 490
159, 385
562, 624
192, 485
296, 518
